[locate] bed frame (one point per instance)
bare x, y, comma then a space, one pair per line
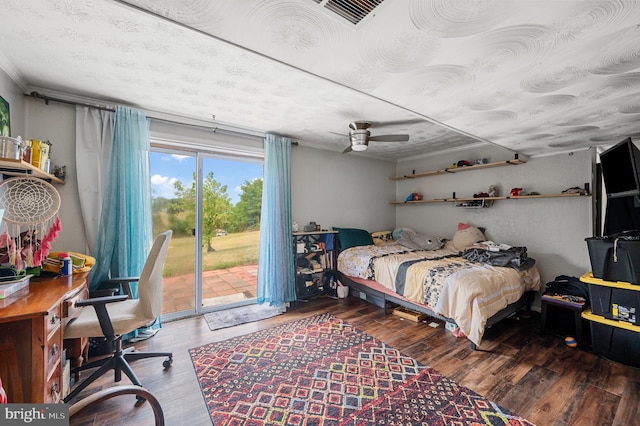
524, 302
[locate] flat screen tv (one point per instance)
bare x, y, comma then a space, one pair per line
621, 169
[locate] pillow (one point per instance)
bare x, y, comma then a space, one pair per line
467, 235
381, 237
415, 241
352, 237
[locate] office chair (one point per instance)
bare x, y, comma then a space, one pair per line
114, 316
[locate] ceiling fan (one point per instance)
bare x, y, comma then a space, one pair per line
360, 137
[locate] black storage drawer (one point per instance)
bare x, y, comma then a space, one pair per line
613, 300
615, 340
615, 303
615, 260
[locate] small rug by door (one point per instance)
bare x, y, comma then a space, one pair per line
322, 371
242, 315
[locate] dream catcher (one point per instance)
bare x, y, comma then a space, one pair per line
30, 218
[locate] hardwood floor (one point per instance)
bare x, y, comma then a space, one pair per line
533, 375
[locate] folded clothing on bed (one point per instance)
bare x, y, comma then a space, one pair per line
494, 254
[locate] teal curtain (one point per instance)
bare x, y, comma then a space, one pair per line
276, 276
125, 233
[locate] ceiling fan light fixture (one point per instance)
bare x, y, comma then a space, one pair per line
359, 140
359, 136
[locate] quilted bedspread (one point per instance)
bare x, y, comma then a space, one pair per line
451, 286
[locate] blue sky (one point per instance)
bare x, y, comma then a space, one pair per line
166, 168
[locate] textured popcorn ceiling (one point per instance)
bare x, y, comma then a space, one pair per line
535, 77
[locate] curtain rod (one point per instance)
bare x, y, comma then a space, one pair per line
213, 128
48, 99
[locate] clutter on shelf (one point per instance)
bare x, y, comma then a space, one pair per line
414, 196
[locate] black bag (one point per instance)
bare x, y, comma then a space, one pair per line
570, 286
307, 287
330, 282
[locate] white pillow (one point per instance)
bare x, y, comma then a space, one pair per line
466, 236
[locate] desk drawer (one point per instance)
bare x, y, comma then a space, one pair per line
53, 352
53, 388
53, 321
69, 308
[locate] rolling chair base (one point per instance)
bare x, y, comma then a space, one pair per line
118, 361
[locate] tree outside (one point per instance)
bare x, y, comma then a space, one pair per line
230, 234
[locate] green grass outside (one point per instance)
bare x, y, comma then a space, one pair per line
230, 250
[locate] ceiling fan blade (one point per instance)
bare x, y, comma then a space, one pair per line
347, 149
389, 138
378, 124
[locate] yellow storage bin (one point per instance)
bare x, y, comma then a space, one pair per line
614, 300
616, 340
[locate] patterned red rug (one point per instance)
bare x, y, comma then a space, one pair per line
322, 371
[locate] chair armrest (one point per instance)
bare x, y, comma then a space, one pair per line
101, 300
125, 282
100, 305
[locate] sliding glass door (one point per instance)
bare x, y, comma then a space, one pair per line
212, 203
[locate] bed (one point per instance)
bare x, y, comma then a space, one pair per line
445, 283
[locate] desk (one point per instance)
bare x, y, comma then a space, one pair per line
31, 337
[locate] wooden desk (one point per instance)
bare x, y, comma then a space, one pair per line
31, 337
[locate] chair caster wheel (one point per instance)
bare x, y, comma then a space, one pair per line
167, 362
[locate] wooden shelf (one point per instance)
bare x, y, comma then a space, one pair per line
9, 167
515, 197
518, 197
300, 233
513, 162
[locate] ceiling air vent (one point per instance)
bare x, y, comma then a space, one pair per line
353, 11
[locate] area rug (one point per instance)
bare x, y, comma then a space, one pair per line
242, 315
322, 371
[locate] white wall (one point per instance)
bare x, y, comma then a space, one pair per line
552, 229
344, 190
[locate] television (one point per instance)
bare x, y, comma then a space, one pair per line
621, 169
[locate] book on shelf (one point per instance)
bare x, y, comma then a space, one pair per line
316, 266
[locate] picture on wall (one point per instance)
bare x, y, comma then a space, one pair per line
5, 119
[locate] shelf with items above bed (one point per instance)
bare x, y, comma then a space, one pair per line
479, 201
515, 162
509, 197
399, 273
